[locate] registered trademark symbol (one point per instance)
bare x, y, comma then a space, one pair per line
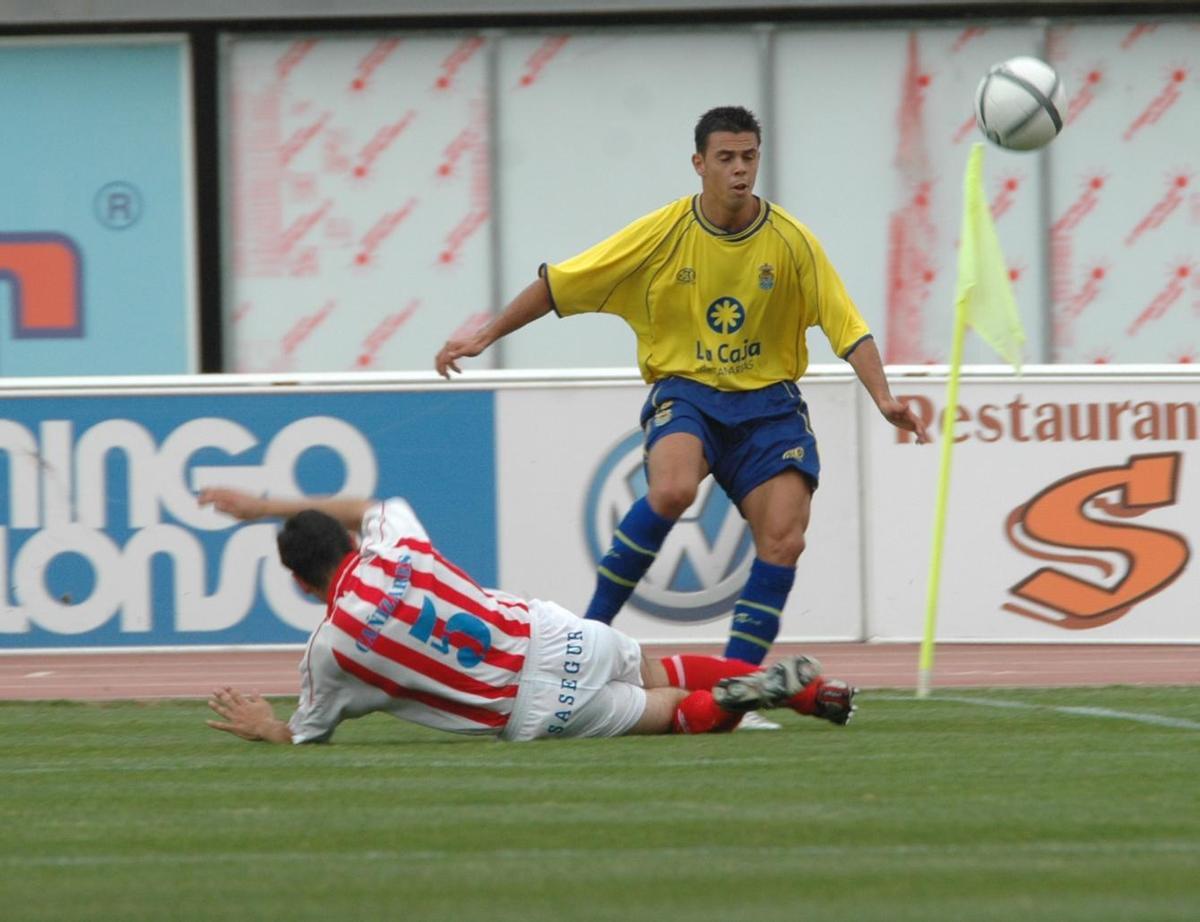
118, 205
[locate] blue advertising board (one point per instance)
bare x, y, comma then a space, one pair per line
102, 541
96, 256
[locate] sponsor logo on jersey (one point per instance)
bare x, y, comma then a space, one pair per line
725, 315
766, 276
794, 454
702, 566
1107, 565
686, 275
730, 356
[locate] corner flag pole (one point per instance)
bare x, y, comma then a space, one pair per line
925, 665
984, 300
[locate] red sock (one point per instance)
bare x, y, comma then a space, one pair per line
695, 672
699, 713
805, 702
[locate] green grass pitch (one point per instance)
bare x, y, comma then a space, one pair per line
1040, 805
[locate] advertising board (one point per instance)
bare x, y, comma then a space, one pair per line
102, 542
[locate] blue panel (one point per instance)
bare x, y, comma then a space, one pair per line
94, 185
72, 580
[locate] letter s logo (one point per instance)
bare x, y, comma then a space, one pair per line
1058, 518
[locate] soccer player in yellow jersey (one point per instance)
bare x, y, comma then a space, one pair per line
720, 289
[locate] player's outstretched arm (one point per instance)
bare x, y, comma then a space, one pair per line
867, 364
248, 716
248, 507
533, 302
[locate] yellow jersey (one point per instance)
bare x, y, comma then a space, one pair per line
730, 310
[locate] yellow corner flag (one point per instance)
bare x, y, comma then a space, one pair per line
984, 300
984, 296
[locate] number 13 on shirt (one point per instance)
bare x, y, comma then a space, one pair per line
473, 639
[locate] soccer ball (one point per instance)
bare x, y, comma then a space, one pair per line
1021, 104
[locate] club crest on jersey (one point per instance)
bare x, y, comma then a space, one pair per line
766, 276
686, 275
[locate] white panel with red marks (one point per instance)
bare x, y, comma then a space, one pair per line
1125, 233
359, 201
360, 194
875, 128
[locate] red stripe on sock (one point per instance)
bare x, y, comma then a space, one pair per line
674, 670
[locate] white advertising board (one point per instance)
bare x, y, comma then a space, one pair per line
1074, 505
569, 464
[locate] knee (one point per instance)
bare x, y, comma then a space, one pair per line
782, 548
671, 500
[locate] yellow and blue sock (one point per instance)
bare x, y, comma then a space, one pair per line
635, 545
756, 614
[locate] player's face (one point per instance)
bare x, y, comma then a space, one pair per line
728, 168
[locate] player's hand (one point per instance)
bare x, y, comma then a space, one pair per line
462, 347
901, 416
242, 715
236, 503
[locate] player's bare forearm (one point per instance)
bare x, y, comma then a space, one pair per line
868, 365
247, 507
248, 717
530, 304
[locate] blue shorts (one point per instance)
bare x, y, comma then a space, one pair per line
748, 436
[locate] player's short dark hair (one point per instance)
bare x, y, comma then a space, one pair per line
737, 119
312, 544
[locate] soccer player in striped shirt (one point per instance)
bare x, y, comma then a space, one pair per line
409, 633
720, 289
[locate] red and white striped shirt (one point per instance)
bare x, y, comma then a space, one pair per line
408, 632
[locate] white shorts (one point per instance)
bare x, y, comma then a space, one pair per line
581, 678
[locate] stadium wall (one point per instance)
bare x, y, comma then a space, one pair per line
337, 192
1072, 517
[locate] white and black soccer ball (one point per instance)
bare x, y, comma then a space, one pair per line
1021, 104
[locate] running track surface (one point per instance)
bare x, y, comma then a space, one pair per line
137, 675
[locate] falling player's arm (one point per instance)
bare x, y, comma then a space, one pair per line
247, 507
247, 716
